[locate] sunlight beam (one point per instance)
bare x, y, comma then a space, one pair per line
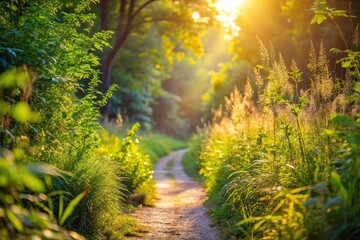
228, 12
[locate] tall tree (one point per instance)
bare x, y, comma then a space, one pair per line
123, 16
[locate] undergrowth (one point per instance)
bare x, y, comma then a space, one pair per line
62, 175
280, 162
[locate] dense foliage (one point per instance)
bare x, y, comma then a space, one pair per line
281, 162
149, 38
280, 158
290, 33
47, 59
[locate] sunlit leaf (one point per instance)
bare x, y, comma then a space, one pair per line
13, 77
335, 50
336, 180
318, 18
72, 205
46, 169
22, 113
357, 87
15, 221
32, 182
346, 64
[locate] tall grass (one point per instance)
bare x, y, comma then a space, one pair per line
268, 162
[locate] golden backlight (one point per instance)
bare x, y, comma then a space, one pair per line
228, 11
229, 5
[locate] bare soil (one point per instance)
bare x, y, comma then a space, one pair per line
179, 211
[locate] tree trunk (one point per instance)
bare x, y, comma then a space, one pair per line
123, 30
105, 79
106, 68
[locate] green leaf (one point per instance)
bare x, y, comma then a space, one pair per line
346, 64
357, 87
335, 50
318, 18
14, 77
32, 182
339, 13
72, 205
15, 221
47, 169
353, 138
344, 120
21, 112
336, 180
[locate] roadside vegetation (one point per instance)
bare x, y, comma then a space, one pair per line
92, 93
63, 176
280, 161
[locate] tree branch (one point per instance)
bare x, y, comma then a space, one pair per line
130, 13
137, 11
121, 20
169, 19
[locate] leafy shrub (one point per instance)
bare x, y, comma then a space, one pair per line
22, 202
135, 165
43, 120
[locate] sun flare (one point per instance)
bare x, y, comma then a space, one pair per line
228, 12
228, 5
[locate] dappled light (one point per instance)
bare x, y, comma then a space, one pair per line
228, 11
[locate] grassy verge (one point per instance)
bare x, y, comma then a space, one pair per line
191, 158
157, 145
286, 166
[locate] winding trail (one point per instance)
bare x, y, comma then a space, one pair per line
179, 212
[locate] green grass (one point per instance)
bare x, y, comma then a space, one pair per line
157, 145
191, 157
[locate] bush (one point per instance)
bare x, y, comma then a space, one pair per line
44, 58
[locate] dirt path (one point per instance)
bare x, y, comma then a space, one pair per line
179, 212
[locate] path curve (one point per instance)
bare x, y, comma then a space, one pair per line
179, 211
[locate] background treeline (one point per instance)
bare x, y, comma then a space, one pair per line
60, 169
173, 75
280, 158
286, 25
